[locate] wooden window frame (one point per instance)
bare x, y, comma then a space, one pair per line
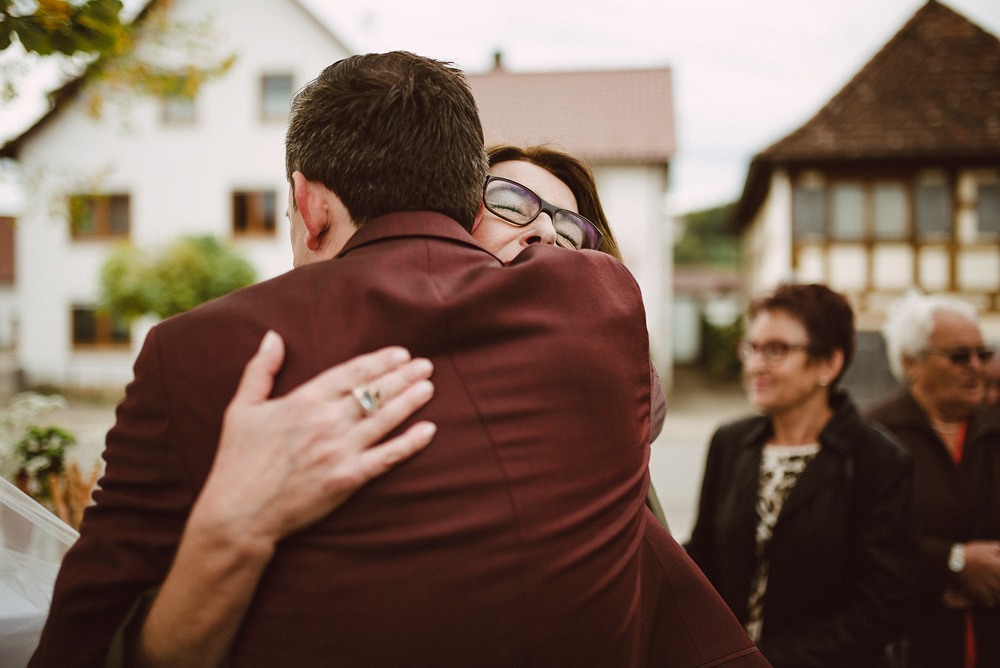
102, 208
108, 334
253, 214
8, 269
267, 112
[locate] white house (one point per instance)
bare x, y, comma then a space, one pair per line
621, 123
147, 171
151, 170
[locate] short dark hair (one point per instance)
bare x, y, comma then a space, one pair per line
575, 174
390, 132
826, 315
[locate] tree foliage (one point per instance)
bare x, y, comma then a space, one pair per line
183, 275
92, 34
48, 27
708, 238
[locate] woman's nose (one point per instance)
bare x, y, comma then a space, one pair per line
540, 231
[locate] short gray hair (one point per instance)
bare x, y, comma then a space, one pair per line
907, 330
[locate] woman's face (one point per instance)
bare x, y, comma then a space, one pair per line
788, 380
505, 240
952, 389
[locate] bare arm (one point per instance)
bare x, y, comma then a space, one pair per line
281, 465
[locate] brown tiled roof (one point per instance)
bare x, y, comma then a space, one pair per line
932, 93
933, 90
623, 116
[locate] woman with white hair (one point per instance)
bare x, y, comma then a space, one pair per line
936, 348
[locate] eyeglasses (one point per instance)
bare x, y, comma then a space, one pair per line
773, 352
518, 205
963, 356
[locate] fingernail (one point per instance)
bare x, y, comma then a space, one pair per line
271, 339
423, 366
426, 429
399, 355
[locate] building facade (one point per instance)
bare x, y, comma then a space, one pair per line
895, 183
148, 170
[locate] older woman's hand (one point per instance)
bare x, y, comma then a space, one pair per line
281, 465
284, 463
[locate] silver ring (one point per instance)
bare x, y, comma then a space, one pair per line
368, 400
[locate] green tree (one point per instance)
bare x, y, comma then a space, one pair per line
708, 238
46, 27
93, 36
186, 273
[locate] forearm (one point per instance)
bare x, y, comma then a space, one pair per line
202, 602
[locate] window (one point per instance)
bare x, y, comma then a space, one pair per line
276, 94
807, 205
988, 208
890, 211
933, 209
99, 216
178, 110
848, 211
254, 213
6, 250
97, 329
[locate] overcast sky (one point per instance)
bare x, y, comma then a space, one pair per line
745, 72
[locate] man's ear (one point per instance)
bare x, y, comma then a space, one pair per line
313, 208
479, 217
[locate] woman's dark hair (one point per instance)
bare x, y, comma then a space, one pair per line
826, 315
571, 171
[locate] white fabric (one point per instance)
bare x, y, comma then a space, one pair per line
780, 468
32, 544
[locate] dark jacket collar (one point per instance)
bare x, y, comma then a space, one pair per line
904, 411
837, 435
410, 224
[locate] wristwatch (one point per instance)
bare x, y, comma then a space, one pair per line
956, 558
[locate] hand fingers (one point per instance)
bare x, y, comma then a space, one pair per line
358, 371
393, 411
258, 375
376, 460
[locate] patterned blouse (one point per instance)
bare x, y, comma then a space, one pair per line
780, 468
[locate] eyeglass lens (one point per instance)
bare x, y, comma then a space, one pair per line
963, 356
519, 205
772, 351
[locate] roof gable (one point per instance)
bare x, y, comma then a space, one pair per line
623, 116
932, 91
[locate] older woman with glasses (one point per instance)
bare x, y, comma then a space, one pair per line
538, 195
805, 523
936, 348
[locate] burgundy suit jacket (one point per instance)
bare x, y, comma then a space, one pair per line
516, 539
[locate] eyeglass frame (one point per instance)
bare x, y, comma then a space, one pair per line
544, 207
962, 355
779, 350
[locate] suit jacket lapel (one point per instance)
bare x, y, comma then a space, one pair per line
824, 472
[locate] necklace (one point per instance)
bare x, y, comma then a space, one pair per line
951, 429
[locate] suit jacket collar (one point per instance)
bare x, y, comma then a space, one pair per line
404, 224
835, 435
831, 465
904, 411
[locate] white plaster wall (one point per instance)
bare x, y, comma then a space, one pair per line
767, 244
180, 177
634, 199
8, 316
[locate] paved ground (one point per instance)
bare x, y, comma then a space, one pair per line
695, 408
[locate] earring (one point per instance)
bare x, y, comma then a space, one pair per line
823, 382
